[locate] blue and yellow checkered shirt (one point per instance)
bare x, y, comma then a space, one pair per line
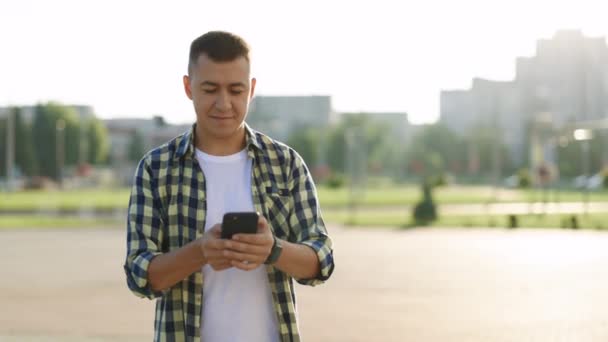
167, 210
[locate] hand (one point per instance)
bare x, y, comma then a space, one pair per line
248, 251
213, 247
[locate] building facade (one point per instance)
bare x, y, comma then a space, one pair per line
566, 81
279, 116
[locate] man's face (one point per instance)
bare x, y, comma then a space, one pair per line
220, 93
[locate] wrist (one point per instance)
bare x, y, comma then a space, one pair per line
275, 251
200, 252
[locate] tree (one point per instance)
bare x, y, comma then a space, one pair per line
436, 149
374, 140
425, 211
571, 154
98, 142
45, 137
488, 144
2, 149
25, 157
306, 143
336, 148
136, 147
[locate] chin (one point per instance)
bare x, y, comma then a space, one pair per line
224, 130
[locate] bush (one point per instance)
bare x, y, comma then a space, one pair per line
605, 178
336, 181
440, 180
425, 211
524, 179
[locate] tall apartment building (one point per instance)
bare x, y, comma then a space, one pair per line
566, 81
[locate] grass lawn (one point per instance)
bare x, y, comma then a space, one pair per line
410, 194
376, 196
365, 218
399, 219
67, 200
39, 221
455, 194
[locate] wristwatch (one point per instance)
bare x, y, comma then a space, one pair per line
275, 252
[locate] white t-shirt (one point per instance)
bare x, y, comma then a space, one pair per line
237, 305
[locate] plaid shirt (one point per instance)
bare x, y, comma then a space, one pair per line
167, 210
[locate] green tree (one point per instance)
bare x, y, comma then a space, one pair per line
487, 144
436, 149
373, 139
306, 143
336, 148
98, 142
136, 147
45, 134
425, 211
2, 148
570, 157
25, 157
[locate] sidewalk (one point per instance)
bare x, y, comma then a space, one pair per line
423, 285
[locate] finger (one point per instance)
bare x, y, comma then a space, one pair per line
253, 239
216, 230
215, 256
219, 244
219, 259
262, 224
255, 258
246, 248
245, 266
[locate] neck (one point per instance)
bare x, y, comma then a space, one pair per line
220, 146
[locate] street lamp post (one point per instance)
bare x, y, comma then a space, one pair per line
59, 149
83, 145
584, 136
10, 149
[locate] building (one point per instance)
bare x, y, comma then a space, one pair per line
279, 116
122, 132
568, 78
153, 132
494, 105
566, 81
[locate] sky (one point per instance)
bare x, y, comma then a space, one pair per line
127, 58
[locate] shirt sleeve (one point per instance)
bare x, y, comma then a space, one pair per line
306, 221
144, 232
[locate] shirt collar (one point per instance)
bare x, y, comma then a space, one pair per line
186, 147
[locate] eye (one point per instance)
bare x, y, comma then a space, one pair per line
209, 91
236, 92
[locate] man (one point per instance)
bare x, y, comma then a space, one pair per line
214, 289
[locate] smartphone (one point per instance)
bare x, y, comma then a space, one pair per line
239, 223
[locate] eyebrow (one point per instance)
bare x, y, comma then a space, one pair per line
231, 85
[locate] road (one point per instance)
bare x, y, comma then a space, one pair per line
418, 285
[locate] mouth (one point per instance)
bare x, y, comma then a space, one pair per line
221, 118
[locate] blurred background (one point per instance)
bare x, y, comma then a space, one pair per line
411, 116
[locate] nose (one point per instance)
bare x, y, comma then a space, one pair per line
222, 103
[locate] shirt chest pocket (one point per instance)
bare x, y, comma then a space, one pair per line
278, 205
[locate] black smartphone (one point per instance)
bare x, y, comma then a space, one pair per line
239, 222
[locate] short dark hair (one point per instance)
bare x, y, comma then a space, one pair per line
219, 46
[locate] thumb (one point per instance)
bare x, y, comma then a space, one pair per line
216, 230
262, 224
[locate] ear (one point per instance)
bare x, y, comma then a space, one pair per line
252, 88
187, 87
